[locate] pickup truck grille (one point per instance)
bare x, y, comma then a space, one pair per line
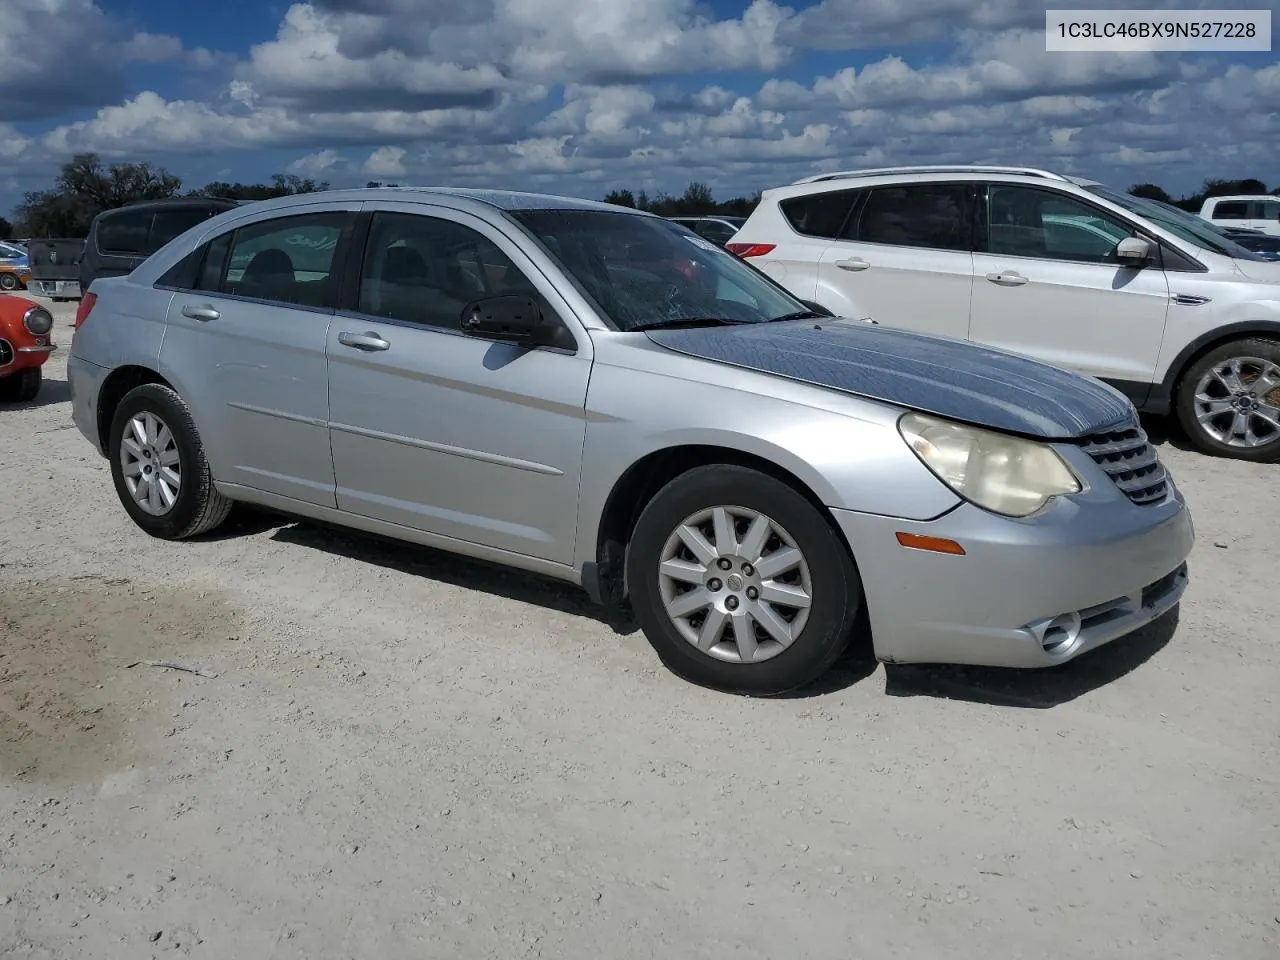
6, 353
1130, 460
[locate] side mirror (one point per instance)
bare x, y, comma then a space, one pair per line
512, 319
1133, 251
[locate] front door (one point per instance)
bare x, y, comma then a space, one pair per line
246, 344
1048, 285
440, 431
904, 259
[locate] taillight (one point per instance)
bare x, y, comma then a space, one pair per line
82, 311
745, 250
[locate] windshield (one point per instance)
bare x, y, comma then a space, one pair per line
645, 272
1185, 226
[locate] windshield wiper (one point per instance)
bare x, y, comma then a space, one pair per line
691, 322
801, 315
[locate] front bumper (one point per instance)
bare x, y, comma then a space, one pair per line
1027, 593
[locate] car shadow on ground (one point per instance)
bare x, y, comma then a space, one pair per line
419, 561
1034, 689
51, 392
1038, 689
1166, 430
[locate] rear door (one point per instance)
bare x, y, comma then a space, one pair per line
245, 343
904, 259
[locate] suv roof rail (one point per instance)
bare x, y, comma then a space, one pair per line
935, 168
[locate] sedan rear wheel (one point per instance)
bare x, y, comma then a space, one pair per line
159, 467
740, 583
8, 281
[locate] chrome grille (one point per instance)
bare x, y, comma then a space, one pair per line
1130, 460
6, 353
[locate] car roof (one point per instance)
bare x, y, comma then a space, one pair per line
1234, 197
940, 173
456, 197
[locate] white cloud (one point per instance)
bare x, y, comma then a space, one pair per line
385, 162
431, 91
314, 164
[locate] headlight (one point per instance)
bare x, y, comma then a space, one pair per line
1000, 473
38, 321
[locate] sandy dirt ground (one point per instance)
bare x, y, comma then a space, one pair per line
404, 754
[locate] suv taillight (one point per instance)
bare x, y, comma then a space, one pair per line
82, 311
745, 250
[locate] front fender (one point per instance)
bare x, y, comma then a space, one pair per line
845, 450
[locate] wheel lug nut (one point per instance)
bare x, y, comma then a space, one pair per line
714, 584
723, 563
732, 603
752, 593
748, 569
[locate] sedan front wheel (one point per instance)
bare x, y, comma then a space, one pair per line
740, 583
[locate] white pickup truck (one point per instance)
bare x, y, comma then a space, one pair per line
1251, 211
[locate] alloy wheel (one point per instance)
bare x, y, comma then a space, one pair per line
151, 464
735, 584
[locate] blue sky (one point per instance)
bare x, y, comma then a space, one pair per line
581, 97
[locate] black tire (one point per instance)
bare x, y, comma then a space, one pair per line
198, 507
1187, 407
835, 587
8, 282
21, 387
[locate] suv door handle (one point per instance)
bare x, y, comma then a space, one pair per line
1007, 278
853, 263
203, 314
363, 341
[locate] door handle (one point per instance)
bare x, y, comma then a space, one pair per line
1007, 278
853, 263
363, 341
203, 314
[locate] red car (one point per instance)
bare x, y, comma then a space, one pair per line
26, 340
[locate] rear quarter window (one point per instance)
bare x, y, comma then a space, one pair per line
124, 233
819, 214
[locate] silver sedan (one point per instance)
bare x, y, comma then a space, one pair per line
600, 395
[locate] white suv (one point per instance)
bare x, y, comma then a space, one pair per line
1151, 299
1260, 212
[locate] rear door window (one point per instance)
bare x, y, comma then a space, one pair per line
125, 232
933, 216
283, 260
168, 224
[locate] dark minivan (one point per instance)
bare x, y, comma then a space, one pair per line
120, 239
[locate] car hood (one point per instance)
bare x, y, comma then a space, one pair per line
1263, 271
950, 378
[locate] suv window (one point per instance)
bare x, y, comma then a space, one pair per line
819, 214
1026, 222
715, 231
171, 223
286, 260
1232, 210
423, 269
930, 215
124, 232
1266, 210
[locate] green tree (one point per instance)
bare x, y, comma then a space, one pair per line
84, 188
1151, 192
622, 198
281, 185
6, 229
